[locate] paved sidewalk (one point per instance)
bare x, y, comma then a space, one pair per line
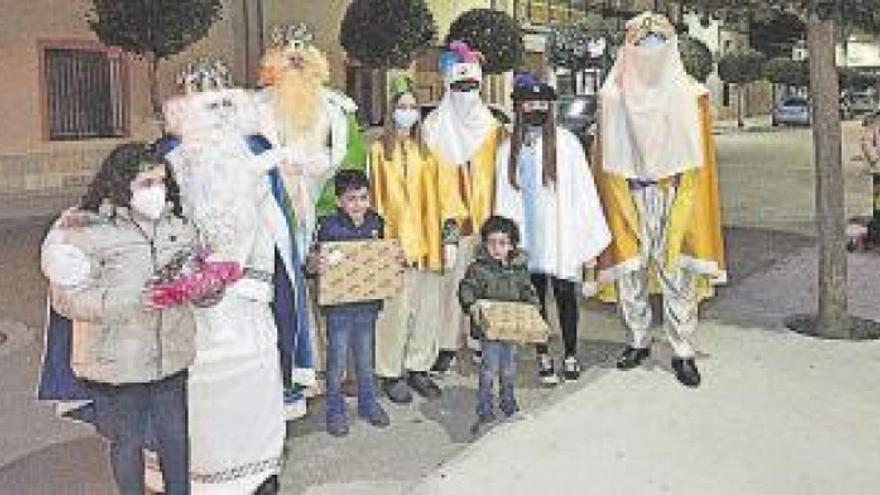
778, 413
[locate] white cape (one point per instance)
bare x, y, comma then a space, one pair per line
456, 134
568, 213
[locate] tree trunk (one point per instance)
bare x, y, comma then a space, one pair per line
739, 106
155, 97
833, 320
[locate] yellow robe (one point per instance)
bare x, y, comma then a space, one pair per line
405, 194
467, 192
695, 239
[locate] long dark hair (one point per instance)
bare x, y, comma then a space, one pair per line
390, 131
112, 183
548, 144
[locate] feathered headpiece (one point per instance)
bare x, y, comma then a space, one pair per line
460, 62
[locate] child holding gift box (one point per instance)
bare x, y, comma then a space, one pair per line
350, 324
499, 273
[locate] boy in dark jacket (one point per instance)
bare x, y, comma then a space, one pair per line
499, 273
352, 324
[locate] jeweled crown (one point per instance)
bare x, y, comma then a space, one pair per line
204, 75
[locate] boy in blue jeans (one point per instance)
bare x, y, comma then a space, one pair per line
499, 273
352, 324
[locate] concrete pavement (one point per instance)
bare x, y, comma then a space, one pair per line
766, 183
778, 413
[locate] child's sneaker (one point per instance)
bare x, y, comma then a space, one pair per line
546, 371
571, 369
444, 362
376, 416
477, 357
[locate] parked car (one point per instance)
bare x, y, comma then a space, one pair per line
792, 111
858, 104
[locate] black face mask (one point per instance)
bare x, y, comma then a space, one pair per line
465, 85
535, 118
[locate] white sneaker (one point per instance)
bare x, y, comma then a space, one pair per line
546, 371
571, 369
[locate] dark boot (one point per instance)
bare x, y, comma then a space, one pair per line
423, 385
632, 357
686, 371
444, 362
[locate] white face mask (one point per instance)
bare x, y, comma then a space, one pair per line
404, 118
464, 101
149, 201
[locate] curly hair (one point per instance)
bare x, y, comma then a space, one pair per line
504, 225
112, 183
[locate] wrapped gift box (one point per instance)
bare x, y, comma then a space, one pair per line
359, 271
512, 322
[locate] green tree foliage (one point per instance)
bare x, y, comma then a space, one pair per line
822, 18
386, 33
153, 29
788, 72
697, 58
494, 33
741, 68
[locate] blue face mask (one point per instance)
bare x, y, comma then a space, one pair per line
652, 40
405, 118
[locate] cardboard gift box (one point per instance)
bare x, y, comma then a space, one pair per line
512, 322
357, 271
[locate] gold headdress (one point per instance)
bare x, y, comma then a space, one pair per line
647, 23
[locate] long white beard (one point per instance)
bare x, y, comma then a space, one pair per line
219, 193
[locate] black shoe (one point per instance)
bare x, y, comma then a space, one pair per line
546, 370
444, 362
632, 357
269, 487
376, 416
508, 407
423, 385
571, 369
686, 371
482, 423
397, 390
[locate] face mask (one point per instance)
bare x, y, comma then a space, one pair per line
535, 117
149, 201
405, 118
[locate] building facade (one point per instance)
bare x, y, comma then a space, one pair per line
67, 99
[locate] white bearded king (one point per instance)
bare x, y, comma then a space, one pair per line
657, 178
236, 415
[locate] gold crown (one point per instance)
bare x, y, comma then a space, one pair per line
204, 75
647, 23
294, 36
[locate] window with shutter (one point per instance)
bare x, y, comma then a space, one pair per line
85, 93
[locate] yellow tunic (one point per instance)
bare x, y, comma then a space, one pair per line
467, 192
404, 190
695, 240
